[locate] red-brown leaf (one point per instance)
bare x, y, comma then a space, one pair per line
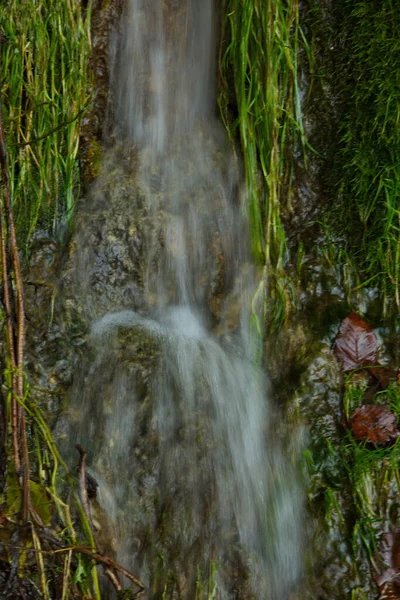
374, 424
356, 344
383, 375
390, 589
389, 579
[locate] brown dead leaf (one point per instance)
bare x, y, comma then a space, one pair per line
356, 344
383, 375
374, 424
389, 579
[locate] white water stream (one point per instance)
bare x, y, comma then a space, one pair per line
200, 499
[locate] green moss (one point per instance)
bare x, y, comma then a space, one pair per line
366, 208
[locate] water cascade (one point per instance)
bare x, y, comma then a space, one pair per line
195, 493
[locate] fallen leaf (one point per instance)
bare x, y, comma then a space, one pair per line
389, 579
374, 424
389, 587
356, 344
41, 501
396, 550
383, 375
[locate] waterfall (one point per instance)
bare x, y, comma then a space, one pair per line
165, 69
195, 493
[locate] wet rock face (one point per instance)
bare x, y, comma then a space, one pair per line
332, 574
106, 253
67, 286
50, 348
56, 327
95, 124
143, 240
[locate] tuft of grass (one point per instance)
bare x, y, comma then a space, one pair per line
44, 86
261, 40
367, 169
49, 475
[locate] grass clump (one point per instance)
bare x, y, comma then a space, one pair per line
260, 55
366, 210
47, 548
44, 92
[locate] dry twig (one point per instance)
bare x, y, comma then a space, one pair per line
15, 317
111, 568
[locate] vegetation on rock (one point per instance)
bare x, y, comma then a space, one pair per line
356, 70
367, 207
259, 59
353, 465
44, 89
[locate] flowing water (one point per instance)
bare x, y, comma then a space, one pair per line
195, 496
